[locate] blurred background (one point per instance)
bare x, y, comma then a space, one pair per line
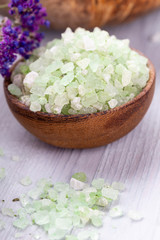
91, 13
138, 20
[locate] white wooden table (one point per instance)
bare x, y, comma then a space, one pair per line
134, 159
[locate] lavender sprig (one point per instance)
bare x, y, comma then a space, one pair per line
22, 36
8, 46
30, 13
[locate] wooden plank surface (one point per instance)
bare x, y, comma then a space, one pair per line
134, 159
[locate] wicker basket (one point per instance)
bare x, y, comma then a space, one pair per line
91, 13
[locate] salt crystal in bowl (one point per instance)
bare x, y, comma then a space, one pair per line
84, 130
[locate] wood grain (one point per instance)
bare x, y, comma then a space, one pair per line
133, 160
86, 130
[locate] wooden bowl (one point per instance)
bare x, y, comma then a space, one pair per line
84, 130
91, 13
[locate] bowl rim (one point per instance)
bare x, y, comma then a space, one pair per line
15, 100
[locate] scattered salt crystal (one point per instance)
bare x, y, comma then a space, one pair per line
76, 184
8, 212
2, 225
19, 235
97, 221
24, 200
59, 208
110, 193
80, 176
22, 213
21, 223
42, 183
41, 217
2, 173
1, 152
35, 193
134, 215
116, 212
98, 183
118, 186
15, 158
26, 181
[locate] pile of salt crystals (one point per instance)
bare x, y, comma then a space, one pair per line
83, 72
71, 211
60, 208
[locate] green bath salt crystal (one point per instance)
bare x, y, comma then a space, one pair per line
2, 173
14, 90
1, 152
98, 183
134, 215
19, 235
80, 176
26, 181
2, 225
15, 158
116, 212
21, 223
8, 212
83, 72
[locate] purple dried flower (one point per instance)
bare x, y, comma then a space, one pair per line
23, 36
31, 13
8, 46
